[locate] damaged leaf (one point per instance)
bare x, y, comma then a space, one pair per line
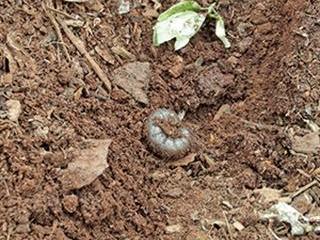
309, 143
283, 212
183, 20
182, 26
134, 79
89, 163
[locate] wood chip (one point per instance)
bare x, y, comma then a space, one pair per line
227, 204
178, 65
74, 23
174, 193
173, 228
122, 52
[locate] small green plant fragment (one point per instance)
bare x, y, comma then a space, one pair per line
221, 32
220, 28
179, 7
183, 20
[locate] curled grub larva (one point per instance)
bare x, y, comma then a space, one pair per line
165, 135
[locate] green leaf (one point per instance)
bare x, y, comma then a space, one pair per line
179, 7
181, 25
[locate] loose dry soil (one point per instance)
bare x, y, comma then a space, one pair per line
254, 109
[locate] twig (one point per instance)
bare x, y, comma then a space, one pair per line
80, 46
56, 28
303, 189
225, 234
6, 186
62, 13
258, 126
9, 233
274, 234
304, 173
228, 225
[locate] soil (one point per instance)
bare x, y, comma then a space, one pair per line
246, 105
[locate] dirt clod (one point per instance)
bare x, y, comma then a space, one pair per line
70, 203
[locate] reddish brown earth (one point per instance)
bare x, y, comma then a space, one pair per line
267, 83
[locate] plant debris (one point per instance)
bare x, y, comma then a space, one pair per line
134, 78
89, 163
183, 20
283, 212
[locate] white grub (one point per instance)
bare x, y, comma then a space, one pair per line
161, 143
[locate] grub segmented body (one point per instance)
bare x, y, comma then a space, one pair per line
161, 142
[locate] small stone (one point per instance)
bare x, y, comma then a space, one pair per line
227, 204
173, 228
94, 5
158, 175
244, 28
174, 193
14, 110
177, 69
43, 30
317, 230
238, 225
70, 203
